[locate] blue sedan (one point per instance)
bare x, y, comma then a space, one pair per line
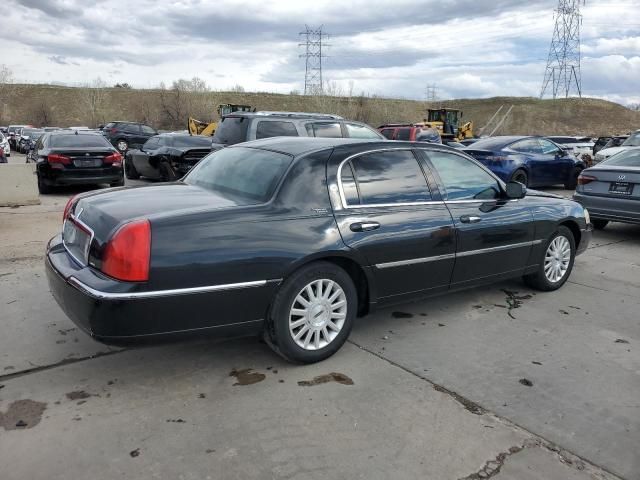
532, 161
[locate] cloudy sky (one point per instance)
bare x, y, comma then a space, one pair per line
467, 48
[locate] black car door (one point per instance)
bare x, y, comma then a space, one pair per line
494, 234
388, 213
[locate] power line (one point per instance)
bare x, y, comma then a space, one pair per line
313, 43
563, 63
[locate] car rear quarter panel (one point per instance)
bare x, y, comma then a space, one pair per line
548, 214
262, 242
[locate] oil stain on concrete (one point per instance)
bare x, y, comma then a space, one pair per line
22, 414
329, 377
246, 376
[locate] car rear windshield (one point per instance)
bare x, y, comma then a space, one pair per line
628, 158
194, 141
231, 130
78, 141
248, 175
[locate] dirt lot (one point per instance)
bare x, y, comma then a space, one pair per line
498, 382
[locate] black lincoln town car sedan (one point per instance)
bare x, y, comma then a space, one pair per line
295, 237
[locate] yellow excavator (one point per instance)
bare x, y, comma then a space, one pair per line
448, 123
207, 129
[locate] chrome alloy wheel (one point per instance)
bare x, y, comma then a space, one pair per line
317, 314
122, 145
557, 258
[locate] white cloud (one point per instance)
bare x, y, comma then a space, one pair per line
469, 48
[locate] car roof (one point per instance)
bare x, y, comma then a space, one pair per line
498, 142
287, 115
297, 146
57, 133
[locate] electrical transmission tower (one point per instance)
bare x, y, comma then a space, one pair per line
563, 64
431, 93
313, 43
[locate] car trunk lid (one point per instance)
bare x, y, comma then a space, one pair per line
611, 182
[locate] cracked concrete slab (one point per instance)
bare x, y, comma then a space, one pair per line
175, 412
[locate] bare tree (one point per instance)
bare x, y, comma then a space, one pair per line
42, 113
6, 88
185, 98
93, 97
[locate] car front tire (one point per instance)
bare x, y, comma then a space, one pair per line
130, 170
556, 262
312, 314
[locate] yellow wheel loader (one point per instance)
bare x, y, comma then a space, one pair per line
447, 122
196, 127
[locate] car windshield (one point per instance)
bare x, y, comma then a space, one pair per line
190, 141
632, 141
627, 158
79, 141
246, 174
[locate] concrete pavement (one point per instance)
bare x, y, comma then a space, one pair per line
436, 391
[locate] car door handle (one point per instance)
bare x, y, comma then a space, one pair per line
364, 226
469, 219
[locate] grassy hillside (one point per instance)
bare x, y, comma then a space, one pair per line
63, 106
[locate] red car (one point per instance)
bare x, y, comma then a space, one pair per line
410, 132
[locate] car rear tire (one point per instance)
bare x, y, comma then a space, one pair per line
43, 187
599, 224
312, 314
122, 145
119, 183
556, 261
572, 182
130, 170
521, 177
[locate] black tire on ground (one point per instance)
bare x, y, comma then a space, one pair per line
520, 176
599, 224
167, 173
278, 334
119, 183
539, 280
130, 170
43, 187
572, 182
122, 145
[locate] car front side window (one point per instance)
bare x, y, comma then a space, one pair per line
462, 178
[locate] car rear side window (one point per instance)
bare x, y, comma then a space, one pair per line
403, 134
267, 129
462, 178
530, 145
231, 130
247, 175
387, 133
325, 130
389, 177
147, 130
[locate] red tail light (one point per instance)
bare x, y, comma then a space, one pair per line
115, 159
113, 131
68, 207
126, 256
584, 179
56, 158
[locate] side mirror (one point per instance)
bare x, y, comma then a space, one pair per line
516, 190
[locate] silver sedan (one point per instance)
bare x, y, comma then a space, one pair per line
610, 191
